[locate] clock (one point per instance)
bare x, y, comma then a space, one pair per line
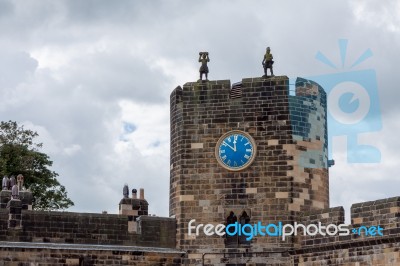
235, 150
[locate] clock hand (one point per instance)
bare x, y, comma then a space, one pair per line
233, 148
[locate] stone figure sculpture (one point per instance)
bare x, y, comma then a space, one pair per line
20, 181
268, 62
203, 59
5, 184
125, 191
15, 192
12, 181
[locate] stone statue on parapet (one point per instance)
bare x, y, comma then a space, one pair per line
20, 181
5, 184
203, 59
125, 191
15, 192
13, 181
268, 62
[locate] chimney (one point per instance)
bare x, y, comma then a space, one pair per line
141, 196
134, 194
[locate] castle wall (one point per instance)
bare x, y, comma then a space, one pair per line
68, 255
349, 250
385, 212
88, 228
371, 254
47, 233
354, 249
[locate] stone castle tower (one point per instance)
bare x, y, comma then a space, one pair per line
289, 173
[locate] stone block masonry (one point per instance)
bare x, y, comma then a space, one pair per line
353, 249
37, 254
288, 176
350, 250
88, 228
67, 238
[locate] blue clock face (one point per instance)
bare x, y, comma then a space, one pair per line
235, 150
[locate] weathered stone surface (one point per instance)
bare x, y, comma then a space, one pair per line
200, 187
12, 253
89, 228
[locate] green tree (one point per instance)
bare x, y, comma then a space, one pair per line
19, 154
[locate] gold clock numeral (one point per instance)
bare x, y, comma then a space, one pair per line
246, 156
249, 150
223, 158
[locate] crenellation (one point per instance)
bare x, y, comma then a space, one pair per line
385, 212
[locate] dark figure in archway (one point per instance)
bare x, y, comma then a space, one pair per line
231, 241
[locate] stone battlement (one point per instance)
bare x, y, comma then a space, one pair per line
89, 228
132, 236
383, 212
364, 247
219, 91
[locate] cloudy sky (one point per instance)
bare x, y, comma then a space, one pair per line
94, 78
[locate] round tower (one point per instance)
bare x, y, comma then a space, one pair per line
287, 175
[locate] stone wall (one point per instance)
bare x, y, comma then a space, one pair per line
48, 234
385, 212
353, 249
370, 254
88, 228
349, 250
27, 254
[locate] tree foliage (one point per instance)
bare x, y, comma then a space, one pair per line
20, 154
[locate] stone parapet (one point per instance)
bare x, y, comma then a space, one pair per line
88, 228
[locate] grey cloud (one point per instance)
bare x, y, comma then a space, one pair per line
6, 9
111, 76
15, 68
